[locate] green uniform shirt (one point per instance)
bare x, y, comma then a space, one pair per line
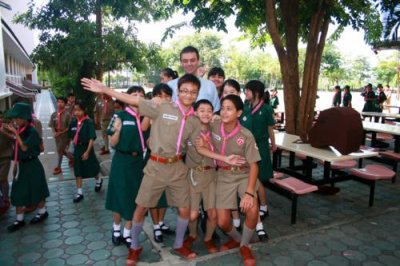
259, 122
274, 102
346, 99
32, 140
86, 133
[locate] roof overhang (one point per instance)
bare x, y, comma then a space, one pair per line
14, 47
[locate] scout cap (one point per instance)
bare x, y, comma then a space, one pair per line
21, 110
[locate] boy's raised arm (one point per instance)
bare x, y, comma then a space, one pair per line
96, 86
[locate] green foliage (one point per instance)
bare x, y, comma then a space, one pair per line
386, 71
332, 65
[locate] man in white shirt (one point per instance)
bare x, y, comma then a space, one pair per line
190, 60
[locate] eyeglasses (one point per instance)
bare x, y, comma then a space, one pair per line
187, 92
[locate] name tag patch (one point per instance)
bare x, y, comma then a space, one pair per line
128, 123
216, 137
170, 117
73, 128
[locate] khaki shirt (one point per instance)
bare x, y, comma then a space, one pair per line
38, 126
105, 116
242, 144
194, 159
165, 127
65, 120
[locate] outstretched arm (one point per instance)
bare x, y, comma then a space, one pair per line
96, 86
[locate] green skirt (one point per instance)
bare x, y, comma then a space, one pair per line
265, 165
31, 186
125, 178
88, 168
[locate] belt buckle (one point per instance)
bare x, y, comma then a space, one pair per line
235, 169
200, 168
170, 160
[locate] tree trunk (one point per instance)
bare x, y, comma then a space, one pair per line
99, 31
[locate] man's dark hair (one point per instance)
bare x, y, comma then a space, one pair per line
189, 78
216, 71
203, 101
189, 49
62, 99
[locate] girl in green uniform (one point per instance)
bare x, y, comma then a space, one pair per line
346, 96
126, 168
29, 187
262, 127
83, 134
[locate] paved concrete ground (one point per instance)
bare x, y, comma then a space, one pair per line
331, 230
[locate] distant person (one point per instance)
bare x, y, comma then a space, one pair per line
337, 97
388, 92
274, 100
118, 106
167, 74
346, 97
106, 114
190, 60
380, 99
217, 75
369, 98
70, 103
6, 153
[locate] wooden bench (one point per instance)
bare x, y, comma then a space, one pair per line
393, 158
369, 175
291, 188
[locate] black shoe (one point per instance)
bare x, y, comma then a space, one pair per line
239, 228
166, 230
98, 186
263, 214
78, 198
127, 240
15, 226
215, 237
158, 238
39, 218
262, 235
116, 239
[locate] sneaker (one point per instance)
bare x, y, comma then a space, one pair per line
16, 226
133, 256
210, 246
185, 253
247, 256
39, 218
57, 171
262, 235
78, 198
230, 244
98, 186
189, 241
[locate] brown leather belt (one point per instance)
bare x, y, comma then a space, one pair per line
166, 160
203, 168
233, 169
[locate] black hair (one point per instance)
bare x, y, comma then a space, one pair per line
170, 73
216, 71
233, 83
62, 99
160, 88
236, 100
337, 87
135, 88
379, 86
120, 103
347, 87
256, 87
267, 97
189, 49
189, 78
71, 94
202, 101
81, 105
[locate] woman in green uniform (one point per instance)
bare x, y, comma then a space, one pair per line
83, 134
262, 127
29, 187
347, 96
127, 166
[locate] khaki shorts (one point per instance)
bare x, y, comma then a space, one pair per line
202, 187
158, 178
229, 187
62, 142
104, 125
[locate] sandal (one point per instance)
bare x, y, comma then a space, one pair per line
185, 253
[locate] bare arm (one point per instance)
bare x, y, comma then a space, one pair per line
272, 138
248, 199
146, 122
96, 86
85, 155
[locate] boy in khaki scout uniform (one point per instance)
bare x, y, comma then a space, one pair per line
59, 123
6, 152
173, 124
202, 177
229, 137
